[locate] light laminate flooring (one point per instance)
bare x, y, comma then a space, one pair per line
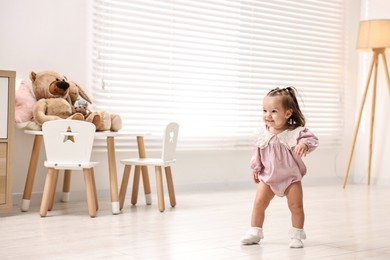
351, 223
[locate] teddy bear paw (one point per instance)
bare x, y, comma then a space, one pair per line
77, 116
96, 120
116, 122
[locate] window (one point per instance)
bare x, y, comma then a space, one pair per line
208, 64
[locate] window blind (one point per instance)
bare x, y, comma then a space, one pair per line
208, 64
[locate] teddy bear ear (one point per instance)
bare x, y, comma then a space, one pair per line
33, 76
83, 94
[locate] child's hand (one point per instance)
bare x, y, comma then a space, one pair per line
255, 177
301, 149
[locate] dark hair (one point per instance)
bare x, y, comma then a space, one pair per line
290, 102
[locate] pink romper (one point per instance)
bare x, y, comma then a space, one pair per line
274, 158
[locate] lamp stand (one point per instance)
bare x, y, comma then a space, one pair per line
374, 63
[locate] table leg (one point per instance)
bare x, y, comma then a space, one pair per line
66, 186
113, 175
145, 174
32, 169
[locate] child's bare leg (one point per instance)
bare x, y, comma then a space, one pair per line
264, 195
294, 196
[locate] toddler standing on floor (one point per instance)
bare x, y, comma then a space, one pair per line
277, 164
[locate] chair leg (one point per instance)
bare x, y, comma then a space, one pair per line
160, 190
146, 184
50, 177
66, 186
171, 190
94, 189
90, 192
124, 183
134, 193
53, 190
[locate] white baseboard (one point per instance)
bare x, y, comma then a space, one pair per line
196, 187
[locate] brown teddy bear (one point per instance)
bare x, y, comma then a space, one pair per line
51, 90
56, 97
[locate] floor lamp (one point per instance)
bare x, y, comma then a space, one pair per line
374, 35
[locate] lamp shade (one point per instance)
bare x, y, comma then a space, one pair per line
374, 34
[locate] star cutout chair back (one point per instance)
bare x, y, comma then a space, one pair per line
68, 145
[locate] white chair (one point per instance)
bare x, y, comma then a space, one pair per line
166, 160
68, 145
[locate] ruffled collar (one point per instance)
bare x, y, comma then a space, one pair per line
288, 137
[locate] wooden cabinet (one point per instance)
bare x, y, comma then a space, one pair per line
7, 123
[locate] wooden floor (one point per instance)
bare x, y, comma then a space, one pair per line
340, 224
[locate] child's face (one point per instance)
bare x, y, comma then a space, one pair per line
275, 115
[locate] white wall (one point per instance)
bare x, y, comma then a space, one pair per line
44, 34
53, 34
